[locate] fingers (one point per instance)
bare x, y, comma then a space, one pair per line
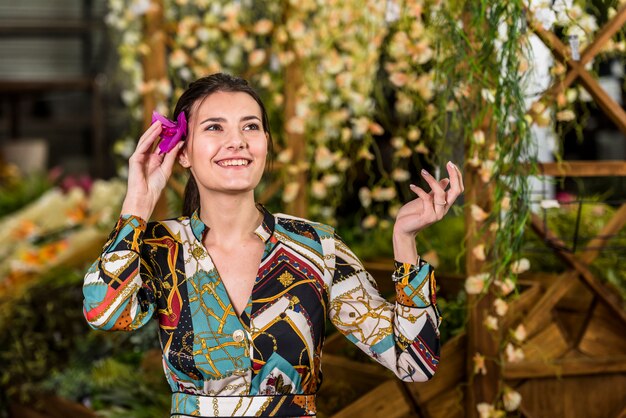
456, 182
170, 158
439, 202
147, 139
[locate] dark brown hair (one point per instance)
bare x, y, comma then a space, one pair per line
199, 90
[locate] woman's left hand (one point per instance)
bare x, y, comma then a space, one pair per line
429, 208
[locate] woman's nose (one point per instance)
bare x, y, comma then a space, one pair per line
237, 141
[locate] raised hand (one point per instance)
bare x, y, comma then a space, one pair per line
148, 173
425, 210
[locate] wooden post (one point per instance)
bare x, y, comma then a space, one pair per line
480, 388
295, 141
154, 63
154, 69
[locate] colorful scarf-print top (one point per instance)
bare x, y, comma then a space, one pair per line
307, 275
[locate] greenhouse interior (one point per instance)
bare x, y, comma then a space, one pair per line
433, 192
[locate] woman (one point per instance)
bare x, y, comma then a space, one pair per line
242, 295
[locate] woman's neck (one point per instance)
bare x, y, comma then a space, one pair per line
231, 218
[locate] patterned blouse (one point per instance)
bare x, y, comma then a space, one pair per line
267, 361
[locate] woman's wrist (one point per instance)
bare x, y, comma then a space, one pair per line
404, 248
139, 209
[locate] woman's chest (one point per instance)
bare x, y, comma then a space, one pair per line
283, 321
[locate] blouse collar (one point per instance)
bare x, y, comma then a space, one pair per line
263, 231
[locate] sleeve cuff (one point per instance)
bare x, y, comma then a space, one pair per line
415, 285
127, 234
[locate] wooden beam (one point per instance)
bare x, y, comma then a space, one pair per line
608, 297
605, 168
613, 110
561, 52
612, 300
361, 377
540, 315
385, 401
609, 29
564, 367
450, 373
612, 227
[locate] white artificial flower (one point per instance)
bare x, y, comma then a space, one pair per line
479, 252
511, 399
501, 307
520, 333
491, 323
485, 410
550, 204
365, 196
369, 222
513, 354
546, 17
291, 191
476, 283
520, 266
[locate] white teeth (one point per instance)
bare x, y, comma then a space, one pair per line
229, 163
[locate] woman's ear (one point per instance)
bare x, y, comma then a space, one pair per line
183, 159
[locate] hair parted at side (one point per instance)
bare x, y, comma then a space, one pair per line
199, 90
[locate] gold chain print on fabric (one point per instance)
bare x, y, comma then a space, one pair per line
172, 248
129, 256
211, 340
378, 322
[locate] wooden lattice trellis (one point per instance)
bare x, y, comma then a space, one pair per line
484, 388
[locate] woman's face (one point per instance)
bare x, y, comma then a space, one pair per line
226, 146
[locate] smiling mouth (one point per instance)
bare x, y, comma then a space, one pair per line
237, 162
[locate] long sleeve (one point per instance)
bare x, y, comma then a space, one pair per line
119, 293
402, 336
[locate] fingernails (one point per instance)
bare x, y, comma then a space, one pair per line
425, 173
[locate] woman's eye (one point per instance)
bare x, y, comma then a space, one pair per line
214, 127
251, 127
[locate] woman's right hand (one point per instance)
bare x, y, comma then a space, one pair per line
148, 173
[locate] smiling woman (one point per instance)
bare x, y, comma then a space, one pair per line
242, 295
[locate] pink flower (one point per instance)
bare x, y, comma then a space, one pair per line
171, 132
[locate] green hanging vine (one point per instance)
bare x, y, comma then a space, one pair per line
482, 52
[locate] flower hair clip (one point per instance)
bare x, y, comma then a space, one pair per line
171, 132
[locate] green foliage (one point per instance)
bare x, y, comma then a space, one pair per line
19, 192
454, 315
47, 346
444, 237
38, 331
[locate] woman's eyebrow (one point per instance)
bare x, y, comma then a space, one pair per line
222, 120
213, 120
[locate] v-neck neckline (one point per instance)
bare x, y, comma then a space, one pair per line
264, 231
